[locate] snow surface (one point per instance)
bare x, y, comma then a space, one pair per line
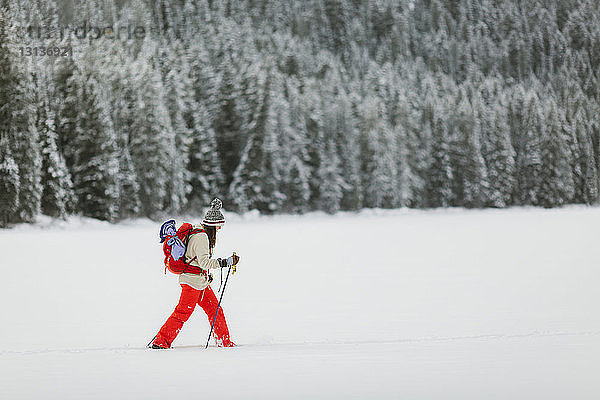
442, 304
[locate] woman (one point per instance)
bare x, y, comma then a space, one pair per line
195, 288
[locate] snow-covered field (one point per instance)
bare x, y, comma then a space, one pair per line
443, 304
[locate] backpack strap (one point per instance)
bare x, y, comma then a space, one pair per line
190, 232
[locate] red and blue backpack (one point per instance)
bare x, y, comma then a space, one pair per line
174, 246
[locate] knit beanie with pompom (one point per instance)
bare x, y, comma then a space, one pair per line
214, 216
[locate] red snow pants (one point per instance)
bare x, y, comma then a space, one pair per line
187, 302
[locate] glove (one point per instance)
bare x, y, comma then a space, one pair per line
229, 261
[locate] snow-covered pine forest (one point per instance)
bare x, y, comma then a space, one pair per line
286, 106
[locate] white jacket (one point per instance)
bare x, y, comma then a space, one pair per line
197, 253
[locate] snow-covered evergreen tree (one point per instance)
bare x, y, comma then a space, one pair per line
330, 174
255, 181
577, 124
204, 79
206, 177
129, 189
66, 104
499, 157
58, 198
17, 121
229, 120
340, 126
152, 140
291, 155
95, 165
440, 176
556, 185
9, 183
413, 141
586, 186
116, 71
378, 156
470, 174
526, 126
178, 100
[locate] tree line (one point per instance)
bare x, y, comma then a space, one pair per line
287, 107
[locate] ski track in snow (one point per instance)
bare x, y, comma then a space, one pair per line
274, 346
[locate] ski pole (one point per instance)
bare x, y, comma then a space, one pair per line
218, 306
